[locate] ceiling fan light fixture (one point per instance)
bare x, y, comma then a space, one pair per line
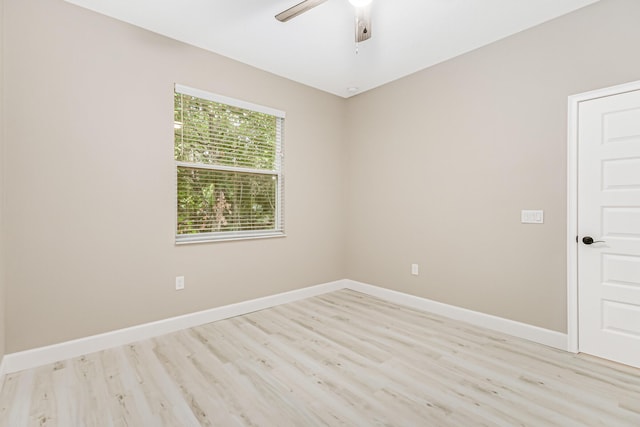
362, 15
360, 3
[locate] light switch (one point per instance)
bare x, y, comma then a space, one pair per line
532, 217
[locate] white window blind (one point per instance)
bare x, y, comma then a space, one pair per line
229, 161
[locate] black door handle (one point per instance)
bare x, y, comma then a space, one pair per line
588, 240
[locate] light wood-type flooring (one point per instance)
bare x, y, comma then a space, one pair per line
340, 359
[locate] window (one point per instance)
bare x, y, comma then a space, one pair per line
229, 168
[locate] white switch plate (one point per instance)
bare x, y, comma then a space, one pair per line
179, 283
414, 269
532, 217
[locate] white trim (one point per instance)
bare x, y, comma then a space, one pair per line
2, 369
186, 90
226, 236
572, 203
19, 361
36, 357
226, 168
521, 330
572, 226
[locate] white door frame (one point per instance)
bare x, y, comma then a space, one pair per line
572, 204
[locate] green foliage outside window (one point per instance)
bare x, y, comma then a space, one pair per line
227, 167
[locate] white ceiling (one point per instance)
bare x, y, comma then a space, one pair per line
318, 47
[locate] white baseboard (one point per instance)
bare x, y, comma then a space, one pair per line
521, 330
14, 362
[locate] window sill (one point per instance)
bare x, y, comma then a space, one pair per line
226, 237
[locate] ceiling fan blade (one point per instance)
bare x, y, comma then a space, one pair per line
363, 23
296, 10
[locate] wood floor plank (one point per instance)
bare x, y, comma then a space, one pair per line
18, 401
339, 359
43, 397
158, 388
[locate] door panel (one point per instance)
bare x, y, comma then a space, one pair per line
621, 318
621, 174
620, 222
609, 210
620, 270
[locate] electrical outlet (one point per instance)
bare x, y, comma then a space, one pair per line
414, 269
179, 283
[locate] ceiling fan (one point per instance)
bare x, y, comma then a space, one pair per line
363, 15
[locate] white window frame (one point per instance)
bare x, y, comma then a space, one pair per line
218, 236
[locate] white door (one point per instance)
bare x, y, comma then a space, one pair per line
609, 211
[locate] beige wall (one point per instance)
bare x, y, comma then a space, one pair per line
90, 181
442, 162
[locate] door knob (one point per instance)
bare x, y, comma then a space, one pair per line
588, 240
